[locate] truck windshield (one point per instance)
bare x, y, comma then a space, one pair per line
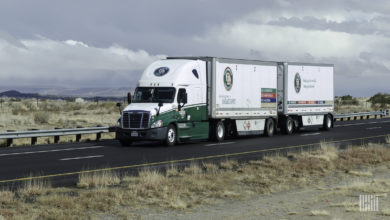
154, 94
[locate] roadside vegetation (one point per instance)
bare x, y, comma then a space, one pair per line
108, 195
26, 114
349, 104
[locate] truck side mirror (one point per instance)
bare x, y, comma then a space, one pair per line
160, 104
129, 97
118, 104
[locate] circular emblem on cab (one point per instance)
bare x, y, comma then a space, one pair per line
161, 71
228, 78
297, 83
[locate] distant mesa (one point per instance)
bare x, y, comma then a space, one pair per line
17, 94
20, 95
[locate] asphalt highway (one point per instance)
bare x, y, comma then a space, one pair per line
62, 163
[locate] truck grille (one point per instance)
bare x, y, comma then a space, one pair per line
135, 119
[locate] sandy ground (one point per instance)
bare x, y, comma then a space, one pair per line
336, 197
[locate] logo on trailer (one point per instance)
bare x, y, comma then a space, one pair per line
228, 78
297, 83
246, 125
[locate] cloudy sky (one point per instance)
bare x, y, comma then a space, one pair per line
100, 43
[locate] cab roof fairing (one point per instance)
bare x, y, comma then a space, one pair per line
179, 74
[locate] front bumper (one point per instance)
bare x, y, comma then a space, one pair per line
144, 134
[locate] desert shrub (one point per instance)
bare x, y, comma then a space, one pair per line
30, 104
42, 117
50, 106
18, 108
348, 100
73, 106
380, 99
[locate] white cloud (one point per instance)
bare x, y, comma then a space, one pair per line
66, 62
362, 58
280, 42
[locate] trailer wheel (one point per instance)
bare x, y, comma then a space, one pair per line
125, 143
287, 126
327, 122
219, 131
269, 128
170, 139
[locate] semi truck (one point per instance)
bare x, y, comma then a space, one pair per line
181, 99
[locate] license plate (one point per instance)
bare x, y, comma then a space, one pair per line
134, 134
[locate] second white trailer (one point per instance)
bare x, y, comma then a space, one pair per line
305, 95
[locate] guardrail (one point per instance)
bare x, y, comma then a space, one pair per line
34, 134
361, 115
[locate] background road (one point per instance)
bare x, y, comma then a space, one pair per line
63, 162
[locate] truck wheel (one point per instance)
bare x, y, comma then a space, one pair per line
287, 126
125, 143
327, 122
269, 127
219, 131
171, 136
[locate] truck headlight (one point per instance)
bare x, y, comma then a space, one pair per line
157, 124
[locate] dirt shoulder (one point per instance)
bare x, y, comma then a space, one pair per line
335, 197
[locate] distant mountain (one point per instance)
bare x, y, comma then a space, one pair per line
17, 94
70, 92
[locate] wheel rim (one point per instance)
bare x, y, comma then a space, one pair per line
171, 135
289, 125
329, 122
220, 131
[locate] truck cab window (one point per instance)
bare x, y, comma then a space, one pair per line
154, 94
180, 94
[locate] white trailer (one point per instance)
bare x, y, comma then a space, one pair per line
305, 95
243, 93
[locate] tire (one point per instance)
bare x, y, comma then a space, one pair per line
125, 143
327, 123
269, 128
219, 131
171, 136
287, 126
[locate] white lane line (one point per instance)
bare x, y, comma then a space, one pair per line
356, 124
207, 145
311, 134
372, 128
48, 151
79, 158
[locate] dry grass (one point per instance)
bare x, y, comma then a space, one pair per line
360, 173
385, 212
319, 213
49, 114
107, 195
376, 186
34, 187
346, 204
28, 114
99, 180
